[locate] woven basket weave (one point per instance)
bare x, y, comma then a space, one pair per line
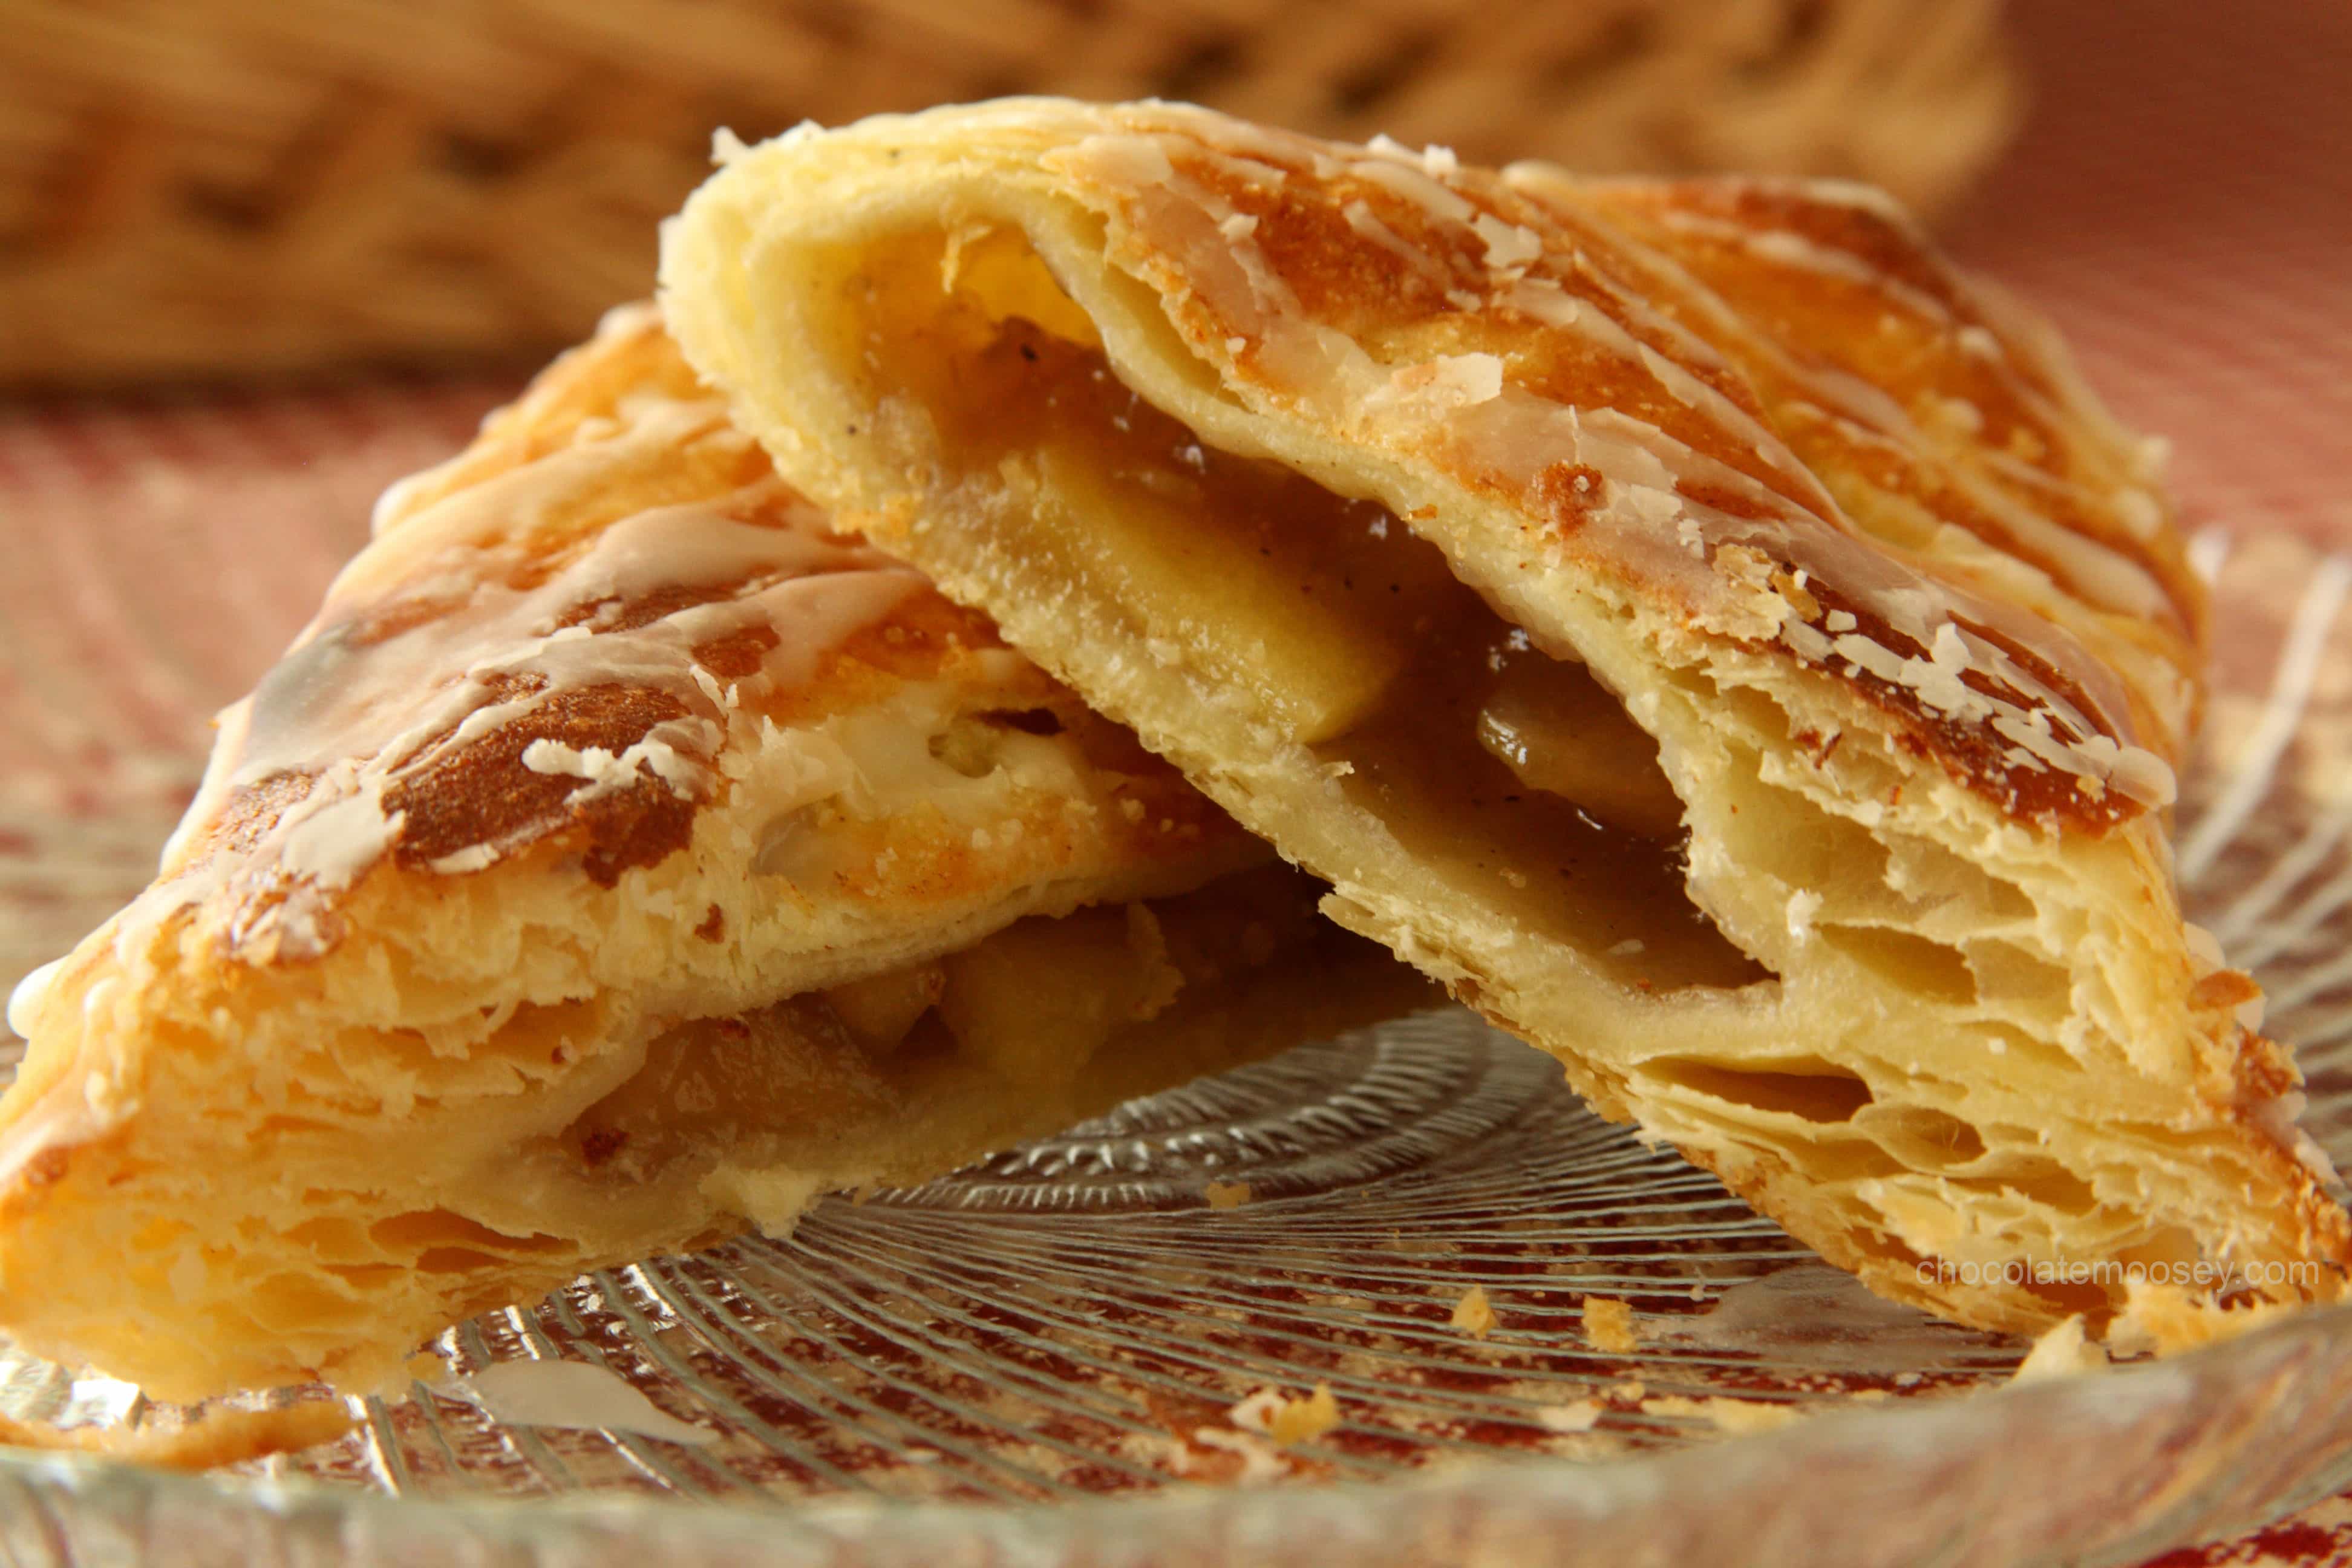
206, 187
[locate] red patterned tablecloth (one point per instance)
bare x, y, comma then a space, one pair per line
2180, 201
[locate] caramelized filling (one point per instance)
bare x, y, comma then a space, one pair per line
1032, 1004
1515, 773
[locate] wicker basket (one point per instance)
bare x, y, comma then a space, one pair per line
202, 187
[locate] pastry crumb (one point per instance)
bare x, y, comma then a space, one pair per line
1243, 1443
1734, 1416
1473, 1315
1226, 1194
2060, 1352
1609, 1325
1272, 1413
1575, 1417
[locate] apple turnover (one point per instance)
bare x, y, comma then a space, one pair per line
620, 858
1719, 639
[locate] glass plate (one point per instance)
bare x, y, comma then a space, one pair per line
1017, 1364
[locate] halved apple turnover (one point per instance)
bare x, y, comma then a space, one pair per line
621, 858
1713, 636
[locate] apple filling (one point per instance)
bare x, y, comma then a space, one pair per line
1515, 773
1030, 1008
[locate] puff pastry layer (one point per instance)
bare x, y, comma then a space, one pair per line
1717, 638
622, 858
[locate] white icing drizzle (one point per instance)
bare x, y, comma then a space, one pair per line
1787, 247
1857, 193
1411, 181
2102, 576
1360, 218
1868, 415
356, 711
1434, 386
1545, 301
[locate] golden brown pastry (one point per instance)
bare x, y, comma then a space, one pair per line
621, 858
1720, 640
